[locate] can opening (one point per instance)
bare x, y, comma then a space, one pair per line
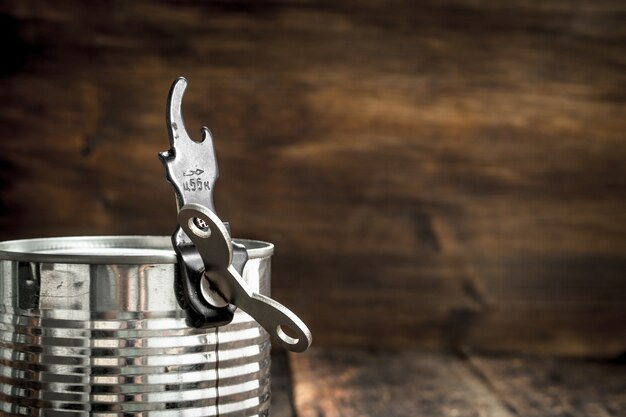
106, 249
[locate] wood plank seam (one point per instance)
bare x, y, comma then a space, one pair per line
486, 381
345, 382
551, 386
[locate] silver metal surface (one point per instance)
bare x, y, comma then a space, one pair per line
215, 248
91, 326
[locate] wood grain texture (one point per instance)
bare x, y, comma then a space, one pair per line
360, 382
442, 173
544, 387
392, 383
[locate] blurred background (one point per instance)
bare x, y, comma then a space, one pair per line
439, 174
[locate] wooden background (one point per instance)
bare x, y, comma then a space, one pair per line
434, 174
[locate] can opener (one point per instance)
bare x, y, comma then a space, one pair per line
210, 284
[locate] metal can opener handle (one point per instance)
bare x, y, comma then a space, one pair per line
214, 244
211, 263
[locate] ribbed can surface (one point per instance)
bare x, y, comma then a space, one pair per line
92, 327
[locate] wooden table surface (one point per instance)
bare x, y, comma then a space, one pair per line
333, 382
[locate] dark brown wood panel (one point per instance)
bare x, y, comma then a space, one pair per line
545, 387
360, 382
393, 383
432, 173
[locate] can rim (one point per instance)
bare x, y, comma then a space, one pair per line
131, 249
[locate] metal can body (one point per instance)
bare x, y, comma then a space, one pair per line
92, 327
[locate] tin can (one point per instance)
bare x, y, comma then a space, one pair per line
91, 326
